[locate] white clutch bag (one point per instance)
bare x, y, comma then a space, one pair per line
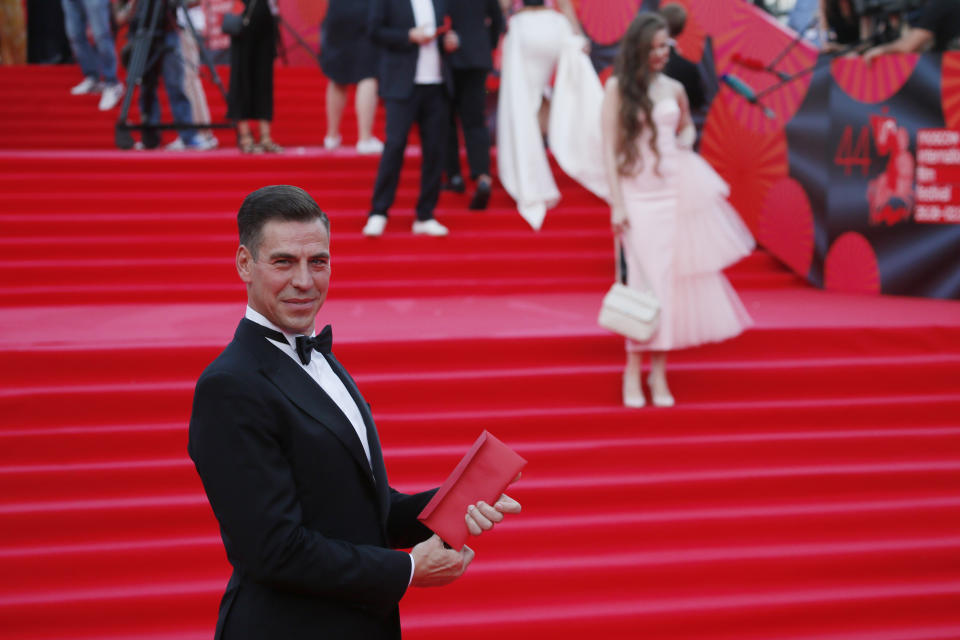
631, 313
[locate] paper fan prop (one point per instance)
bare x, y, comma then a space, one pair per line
762, 57
713, 15
875, 82
606, 22
851, 265
749, 161
786, 225
950, 88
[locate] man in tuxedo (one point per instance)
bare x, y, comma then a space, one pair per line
415, 84
290, 460
478, 25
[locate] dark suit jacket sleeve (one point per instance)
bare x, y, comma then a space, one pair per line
254, 497
384, 30
497, 24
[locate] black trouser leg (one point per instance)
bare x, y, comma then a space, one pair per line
400, 117
471, 104
433, 120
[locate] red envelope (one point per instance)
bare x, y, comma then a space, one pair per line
482, 474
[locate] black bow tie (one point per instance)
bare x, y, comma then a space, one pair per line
305, 346
322, 342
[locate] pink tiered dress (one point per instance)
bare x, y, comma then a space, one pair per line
682, 234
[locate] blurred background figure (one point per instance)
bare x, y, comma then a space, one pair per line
536, 37
13, 33
164, 59
348, 56
415, 84
250, 96
668, 209
937, 28
678, 67
479, 25
98, 62
840, 24
192, 86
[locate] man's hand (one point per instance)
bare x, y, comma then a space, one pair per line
481, 516
436, 565
451, 41
421, 35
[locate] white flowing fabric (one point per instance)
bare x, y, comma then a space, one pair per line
531, 51
576, 139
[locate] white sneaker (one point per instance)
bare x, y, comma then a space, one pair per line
176, 145
370, 146
331, 142
111, 96
429, 228
375, 225
202, 143
211, 141
88, 85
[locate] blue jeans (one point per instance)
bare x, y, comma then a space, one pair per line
170, 65
99, 62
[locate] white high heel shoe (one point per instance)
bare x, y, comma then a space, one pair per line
633, 397
660, 392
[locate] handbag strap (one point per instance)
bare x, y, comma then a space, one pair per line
620, 258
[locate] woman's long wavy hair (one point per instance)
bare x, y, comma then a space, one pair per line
632, 71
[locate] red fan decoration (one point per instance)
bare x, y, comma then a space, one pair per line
751, 162
874, 82
851, 265
950, 88
786, 225
752, 36
606, 22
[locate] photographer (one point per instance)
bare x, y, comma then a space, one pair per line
164, 59
938, 25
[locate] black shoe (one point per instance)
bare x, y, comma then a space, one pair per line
455, 184
481, 196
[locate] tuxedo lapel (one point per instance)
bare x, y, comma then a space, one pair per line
373, 440
302, 391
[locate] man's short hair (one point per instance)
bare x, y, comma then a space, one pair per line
676, 17
275, 202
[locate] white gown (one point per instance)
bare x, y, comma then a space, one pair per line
531, 50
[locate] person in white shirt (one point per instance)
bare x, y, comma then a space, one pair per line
415, 84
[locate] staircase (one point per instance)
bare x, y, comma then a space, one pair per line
804, 487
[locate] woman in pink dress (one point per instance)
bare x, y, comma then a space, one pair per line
669, 208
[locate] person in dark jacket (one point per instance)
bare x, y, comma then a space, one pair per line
479, 24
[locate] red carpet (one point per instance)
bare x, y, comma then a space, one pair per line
805, 487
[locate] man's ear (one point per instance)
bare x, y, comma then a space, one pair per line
244, 264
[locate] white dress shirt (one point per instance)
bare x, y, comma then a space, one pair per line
321, 373
428, 62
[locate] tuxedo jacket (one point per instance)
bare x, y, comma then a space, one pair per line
309, 525
679, 68
479, 24
389, 27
